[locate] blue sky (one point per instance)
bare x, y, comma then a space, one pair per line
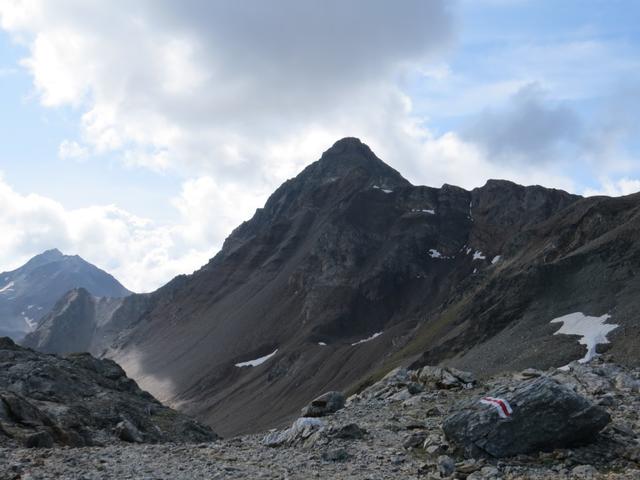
138, 135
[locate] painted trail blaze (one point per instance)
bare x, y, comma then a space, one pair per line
502, 406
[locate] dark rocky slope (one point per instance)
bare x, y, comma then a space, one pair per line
79, 322
349, 271
79, 400
29, 293
346, 250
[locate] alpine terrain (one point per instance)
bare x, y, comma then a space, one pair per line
29, 293
349, 271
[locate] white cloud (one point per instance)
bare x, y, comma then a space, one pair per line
615, 188
206, 87
70, 149
531, 128
141, 254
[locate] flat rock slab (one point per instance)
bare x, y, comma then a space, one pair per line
538, 415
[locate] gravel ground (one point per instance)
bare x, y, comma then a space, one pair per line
390, 416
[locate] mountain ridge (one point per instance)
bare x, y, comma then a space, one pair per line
30, 291
349, 270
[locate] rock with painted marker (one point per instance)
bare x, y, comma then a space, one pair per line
538, 415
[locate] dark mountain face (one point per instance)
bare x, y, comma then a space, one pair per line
79, 322
28, 293
349, 270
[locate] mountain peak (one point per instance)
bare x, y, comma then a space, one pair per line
349, 145
51, 253
347, 155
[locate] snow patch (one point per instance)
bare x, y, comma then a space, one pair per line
385, 190
478, 255
496, 259
433, 253
7, 288
31, 323
592, 330
322, 344
257, 361
364, 340
423, 210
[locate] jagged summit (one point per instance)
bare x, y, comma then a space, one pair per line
51, 253
350, 157
346, 168
350, 145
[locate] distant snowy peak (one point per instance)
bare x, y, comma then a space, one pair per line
31, 291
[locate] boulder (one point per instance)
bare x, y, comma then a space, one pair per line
126, 431
544, 415
301, 429
445, 378
325, 404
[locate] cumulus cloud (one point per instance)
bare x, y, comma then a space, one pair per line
615, 188
211, 85
70, 149
140, 253
530, 128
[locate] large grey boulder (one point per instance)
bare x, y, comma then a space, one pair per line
325, 404
301, 429
545, 415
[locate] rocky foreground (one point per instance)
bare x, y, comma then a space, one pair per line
78, 401
394, 429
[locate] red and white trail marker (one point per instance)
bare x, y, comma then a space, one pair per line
501, 405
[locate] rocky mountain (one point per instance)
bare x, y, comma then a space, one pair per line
349, 270
79, 401
29, 293
79, 322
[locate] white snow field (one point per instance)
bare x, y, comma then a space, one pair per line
592, 330
257, 361
364, 340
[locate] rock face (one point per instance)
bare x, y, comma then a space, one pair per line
29, 293
543, 415
350, 270
79, 322
79, 400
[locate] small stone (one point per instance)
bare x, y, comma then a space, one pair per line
584, 472
350, 431
414, 440
446, 465
40, 439
335, 455
414, 388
